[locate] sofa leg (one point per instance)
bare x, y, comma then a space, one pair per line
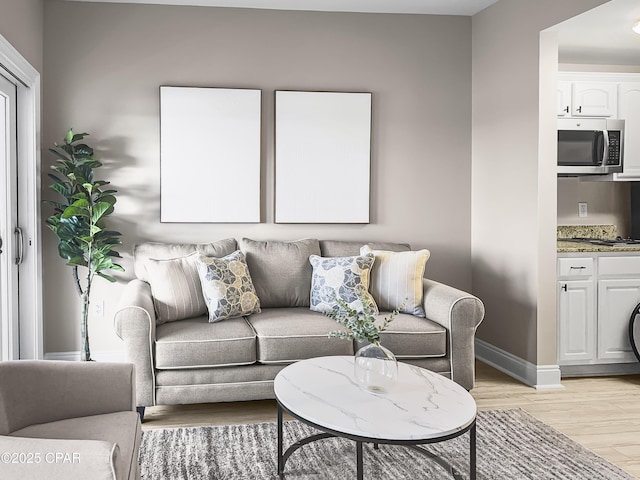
140, 411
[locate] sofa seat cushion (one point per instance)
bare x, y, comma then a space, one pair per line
120, 428
196, 343
291, 334
256, 373
408, 336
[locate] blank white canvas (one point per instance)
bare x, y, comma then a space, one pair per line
209, 154
323, 157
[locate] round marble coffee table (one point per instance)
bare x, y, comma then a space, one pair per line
422, 407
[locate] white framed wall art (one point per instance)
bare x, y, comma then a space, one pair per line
322, 157
210, 155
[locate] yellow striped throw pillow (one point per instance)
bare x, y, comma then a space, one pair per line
396, 278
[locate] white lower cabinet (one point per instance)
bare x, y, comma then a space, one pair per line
616, 300
596, 295
576, 307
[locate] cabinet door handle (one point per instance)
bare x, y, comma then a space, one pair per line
579, 109
566, 109
564, 287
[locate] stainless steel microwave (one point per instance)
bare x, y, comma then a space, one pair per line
590, 146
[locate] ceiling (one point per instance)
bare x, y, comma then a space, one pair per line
602, 35
431, 7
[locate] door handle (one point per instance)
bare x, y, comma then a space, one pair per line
20, 245
564, 287
0, 244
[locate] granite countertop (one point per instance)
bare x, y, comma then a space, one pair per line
590, 231
570, 247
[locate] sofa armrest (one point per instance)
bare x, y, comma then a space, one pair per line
56, 459
36, 391
460, 313
135, 323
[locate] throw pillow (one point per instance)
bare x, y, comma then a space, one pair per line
396, 278
166, 251
227, 287
346, 278
176, 290
280, 270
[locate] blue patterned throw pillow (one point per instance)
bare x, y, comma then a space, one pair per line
346, 278
227, 287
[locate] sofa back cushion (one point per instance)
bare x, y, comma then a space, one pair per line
281, 271
166, 251
340, 248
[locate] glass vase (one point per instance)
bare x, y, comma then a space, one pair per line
376, 368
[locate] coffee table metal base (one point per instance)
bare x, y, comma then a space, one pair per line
284, 456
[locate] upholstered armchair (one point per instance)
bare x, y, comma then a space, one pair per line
68, 420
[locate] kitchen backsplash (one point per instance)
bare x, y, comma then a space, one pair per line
587, 231
608, 203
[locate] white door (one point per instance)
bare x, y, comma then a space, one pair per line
9, 232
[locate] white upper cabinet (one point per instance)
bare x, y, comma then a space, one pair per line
563, 107
629, 111
604, 94
594, 99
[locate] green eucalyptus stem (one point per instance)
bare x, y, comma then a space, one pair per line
360, 326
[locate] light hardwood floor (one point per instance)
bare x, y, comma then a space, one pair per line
601, 413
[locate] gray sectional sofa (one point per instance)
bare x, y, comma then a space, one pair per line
190, 360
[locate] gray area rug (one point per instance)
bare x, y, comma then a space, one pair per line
511, 444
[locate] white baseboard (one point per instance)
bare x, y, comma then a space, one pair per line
97, 355
537, 376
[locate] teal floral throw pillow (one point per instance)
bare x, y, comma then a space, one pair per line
227, 287
346, 278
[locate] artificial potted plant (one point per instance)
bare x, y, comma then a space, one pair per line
79, 221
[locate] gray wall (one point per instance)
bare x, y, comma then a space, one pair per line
21, 25
514, 182
104, 63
